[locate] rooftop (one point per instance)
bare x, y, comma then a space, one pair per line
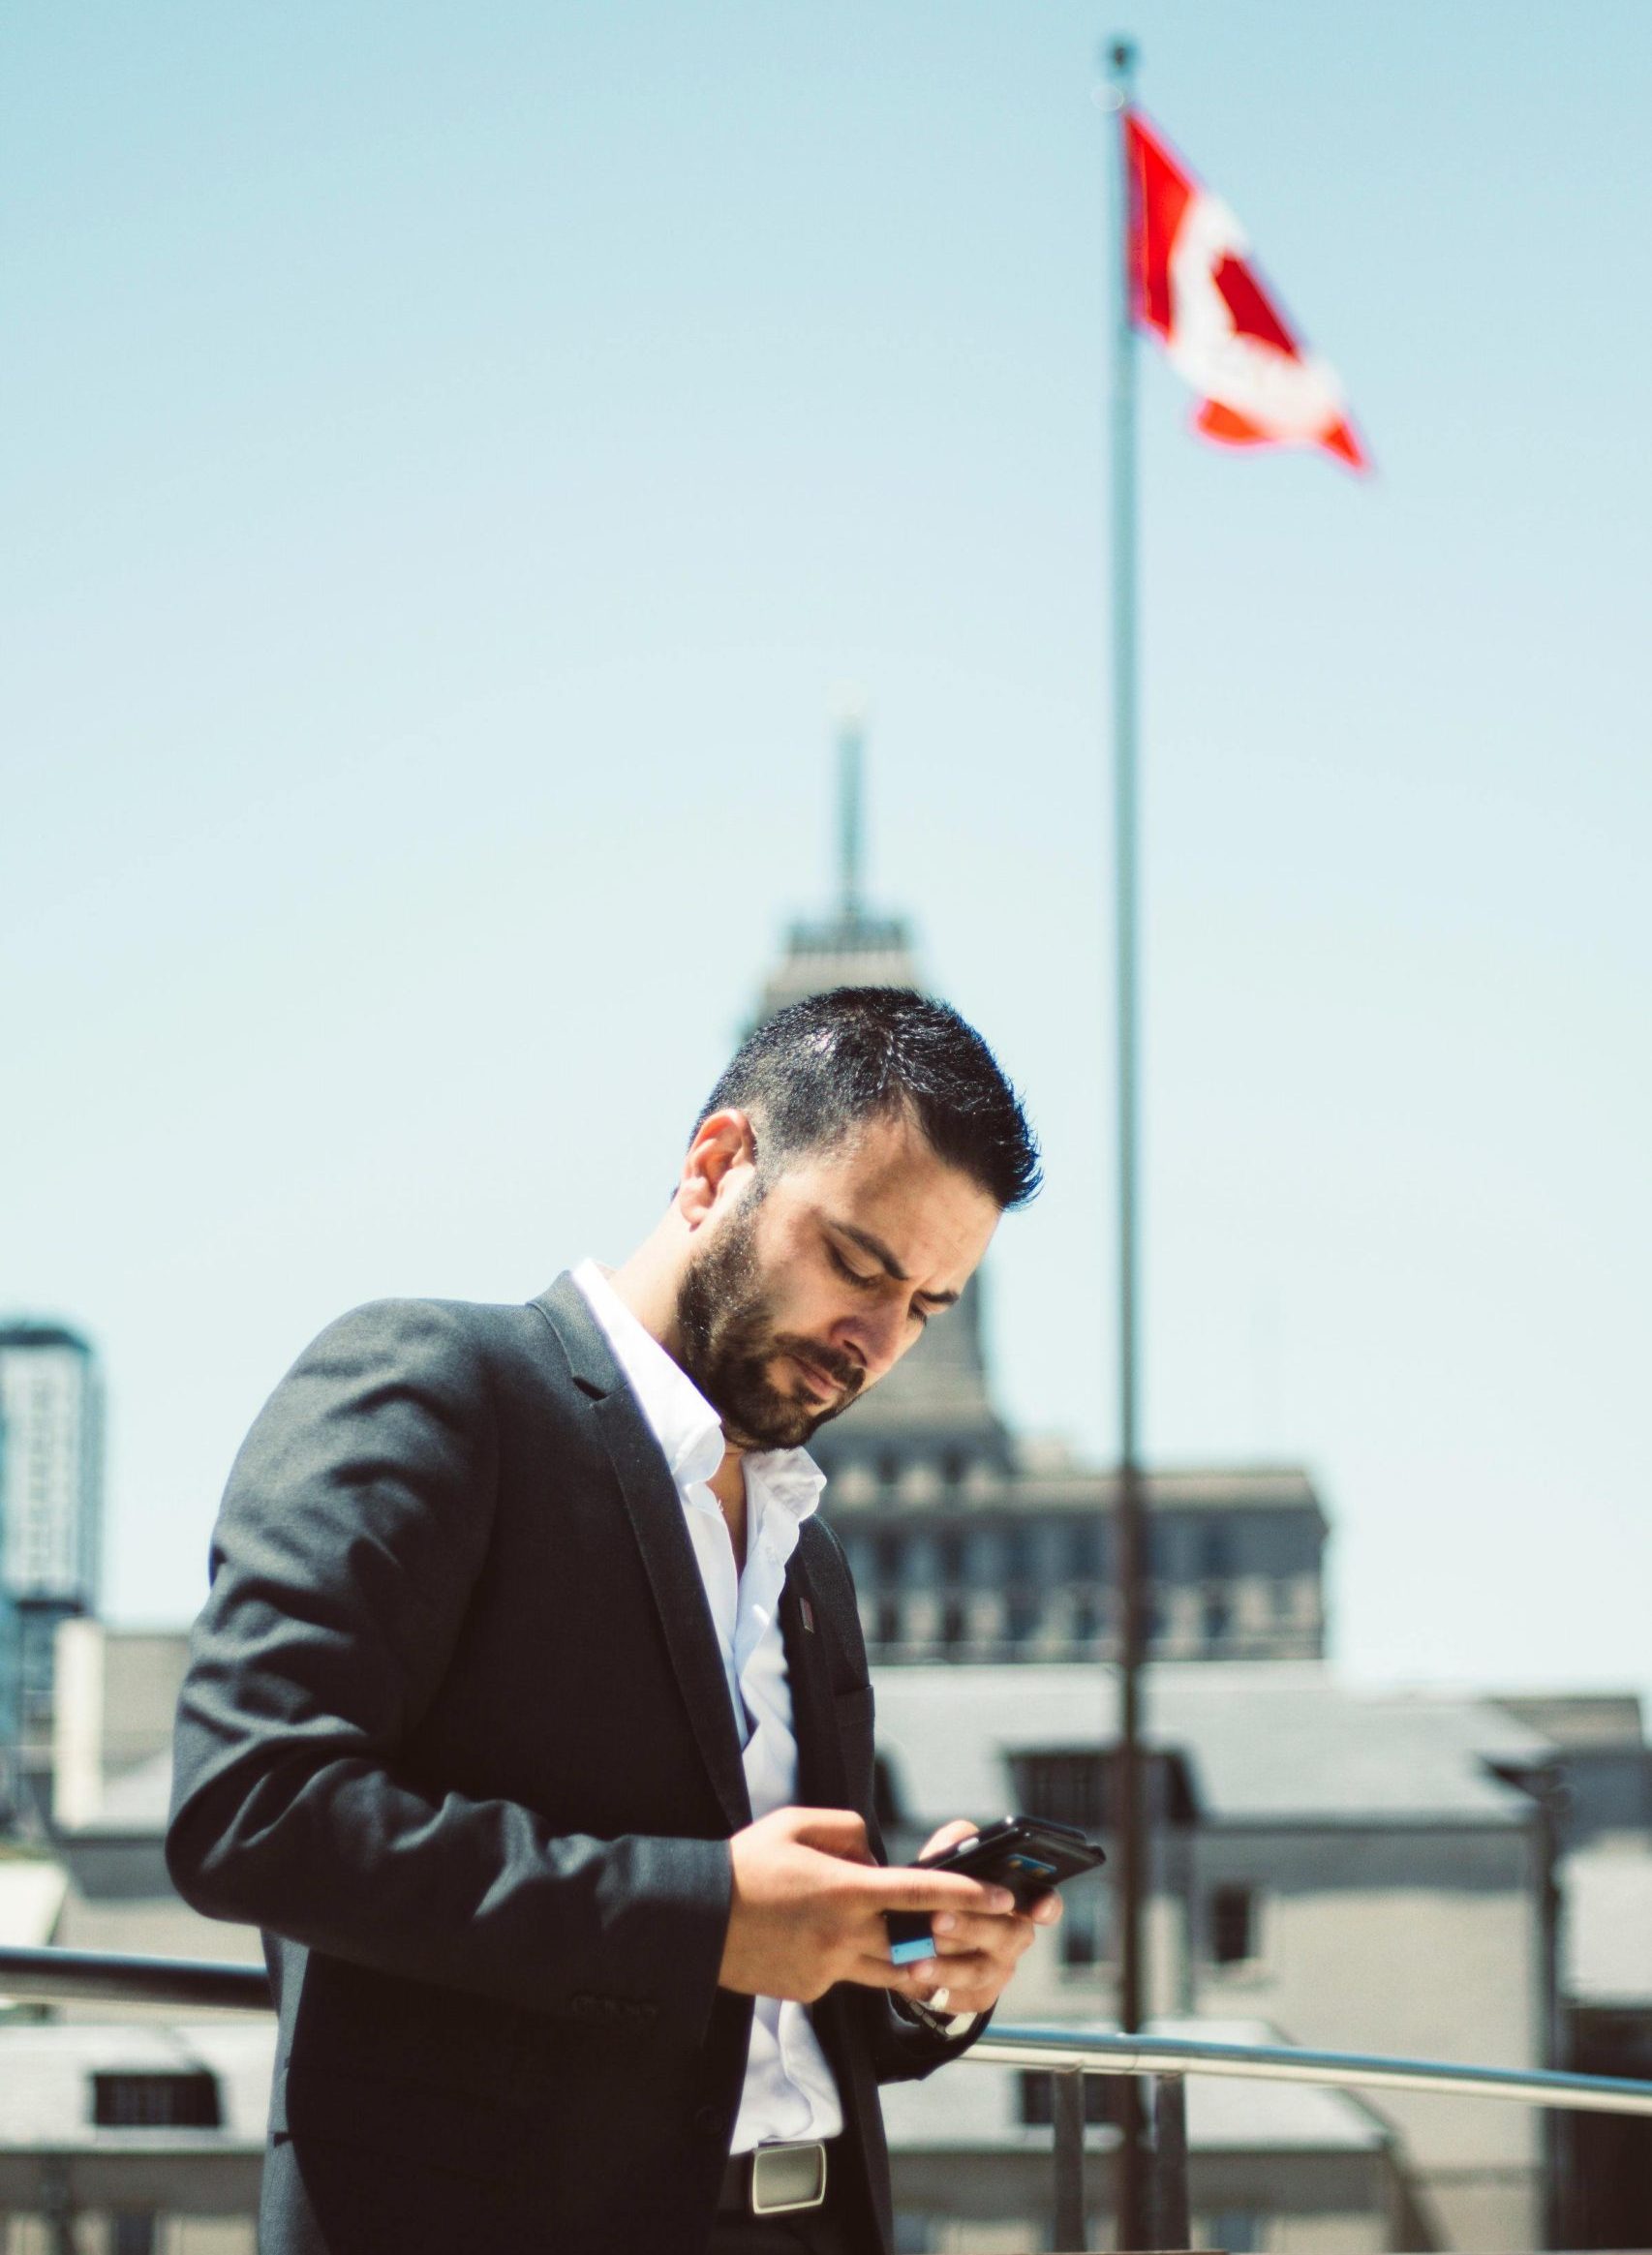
46, 2070
1263, 1742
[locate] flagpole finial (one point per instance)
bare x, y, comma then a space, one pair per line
1118, 61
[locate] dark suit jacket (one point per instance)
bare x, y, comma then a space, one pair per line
456, 1734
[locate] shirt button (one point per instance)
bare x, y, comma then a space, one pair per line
710, 2122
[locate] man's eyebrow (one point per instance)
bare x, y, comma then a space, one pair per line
879, 1251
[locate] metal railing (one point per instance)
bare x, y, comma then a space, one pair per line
1166, 2062
1067, 2055
102, 1976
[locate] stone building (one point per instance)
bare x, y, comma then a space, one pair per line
1411, 1873
1350, 1870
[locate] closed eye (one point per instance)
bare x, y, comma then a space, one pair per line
867, 1280
850, 1275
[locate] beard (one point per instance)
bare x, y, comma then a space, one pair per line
729, 1342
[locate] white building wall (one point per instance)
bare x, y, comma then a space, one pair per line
1425, 1944
116, 1695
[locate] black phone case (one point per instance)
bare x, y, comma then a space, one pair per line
998, 1854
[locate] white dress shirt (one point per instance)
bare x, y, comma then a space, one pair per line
790, 2092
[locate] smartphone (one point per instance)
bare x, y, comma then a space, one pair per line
1026, 1854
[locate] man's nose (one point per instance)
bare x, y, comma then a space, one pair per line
875, 1336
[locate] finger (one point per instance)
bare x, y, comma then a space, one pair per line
955, 1933
1046, 1909
947, 1837
959, 1963
962, 1975
907, 1888
972, 1984
960, 2000
874, 1972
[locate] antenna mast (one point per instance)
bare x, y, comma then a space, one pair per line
851, 744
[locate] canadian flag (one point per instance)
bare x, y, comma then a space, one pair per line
1192, 284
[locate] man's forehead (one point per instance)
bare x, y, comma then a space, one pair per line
889, 1151
887, 1176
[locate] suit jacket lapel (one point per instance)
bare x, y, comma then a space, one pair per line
822, 1782
655, 1512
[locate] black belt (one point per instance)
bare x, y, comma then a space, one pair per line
777, 2180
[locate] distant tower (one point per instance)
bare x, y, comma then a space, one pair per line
970, 1542
850, 948
51, 1512
930, 1418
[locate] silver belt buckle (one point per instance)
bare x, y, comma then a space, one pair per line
786, 2179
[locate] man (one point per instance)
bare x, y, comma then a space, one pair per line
528, 1712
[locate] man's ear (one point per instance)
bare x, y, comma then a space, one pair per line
716, 1165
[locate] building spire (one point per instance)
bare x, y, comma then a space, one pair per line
851, 745
848, 946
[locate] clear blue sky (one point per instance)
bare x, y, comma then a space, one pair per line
452, 456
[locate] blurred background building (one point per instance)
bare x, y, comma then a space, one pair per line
51, 1505
1454, 1875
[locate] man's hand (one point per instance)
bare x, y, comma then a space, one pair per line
976, 1953
808, 1904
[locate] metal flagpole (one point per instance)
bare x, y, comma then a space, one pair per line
1129, 1812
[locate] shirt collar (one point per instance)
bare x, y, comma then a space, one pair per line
687, 1428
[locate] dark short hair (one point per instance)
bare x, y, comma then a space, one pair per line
822, 1067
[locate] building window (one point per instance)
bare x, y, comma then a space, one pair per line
1215, 1554
1087, 1558
1218, 1619
157, 2102
1086, 1929
1086, 1619
1017, 1554
954, 1623
1021, 1615
953, 1467
1236, 2229
134, 2233
1232, 1924
949, 1552
889, 1471
888, 1622
891, 1556
1069, 1788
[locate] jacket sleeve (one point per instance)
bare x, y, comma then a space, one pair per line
904, 2050
354, 1526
